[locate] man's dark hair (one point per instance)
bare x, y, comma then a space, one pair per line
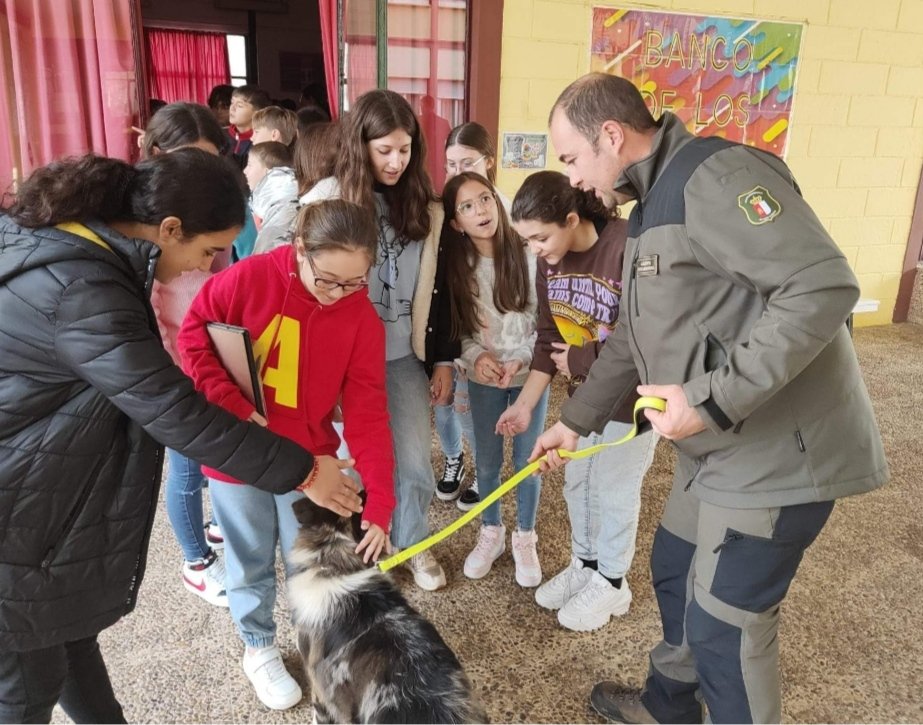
595, 98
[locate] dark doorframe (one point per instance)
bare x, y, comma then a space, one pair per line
912, 258
138, 49
485, 30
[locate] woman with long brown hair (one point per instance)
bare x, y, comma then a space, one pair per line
382, 168
491, 280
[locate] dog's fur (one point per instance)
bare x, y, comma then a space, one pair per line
369, 655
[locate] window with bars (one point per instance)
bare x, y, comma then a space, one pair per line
426, 61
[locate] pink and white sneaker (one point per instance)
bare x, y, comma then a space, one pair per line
205, 578
491, 543
528, 568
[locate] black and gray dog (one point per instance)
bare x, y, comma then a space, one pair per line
370, 657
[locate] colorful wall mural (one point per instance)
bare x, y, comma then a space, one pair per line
729, 77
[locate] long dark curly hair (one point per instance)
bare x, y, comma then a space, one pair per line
203, 190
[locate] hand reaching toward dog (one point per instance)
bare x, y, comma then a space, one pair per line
333, 489
374, 541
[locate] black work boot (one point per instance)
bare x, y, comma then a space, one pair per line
618, 704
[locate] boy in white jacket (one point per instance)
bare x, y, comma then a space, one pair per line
273, 194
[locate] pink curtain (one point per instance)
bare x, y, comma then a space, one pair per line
67, 82
329, 31
184, 65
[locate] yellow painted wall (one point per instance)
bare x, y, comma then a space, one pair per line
856, 139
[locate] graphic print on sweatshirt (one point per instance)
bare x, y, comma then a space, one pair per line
584, 307
395, 273
280, 372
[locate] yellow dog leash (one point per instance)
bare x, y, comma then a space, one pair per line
511, 483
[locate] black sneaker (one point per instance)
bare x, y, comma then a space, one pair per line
453, 473
470, 498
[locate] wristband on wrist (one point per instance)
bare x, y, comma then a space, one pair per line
310, 479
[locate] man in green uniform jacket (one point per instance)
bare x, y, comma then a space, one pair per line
735, 302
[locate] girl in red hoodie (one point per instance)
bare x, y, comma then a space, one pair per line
318, 340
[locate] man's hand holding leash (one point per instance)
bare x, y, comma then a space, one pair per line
679, 420
557, 436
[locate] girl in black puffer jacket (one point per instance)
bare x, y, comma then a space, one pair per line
88, 399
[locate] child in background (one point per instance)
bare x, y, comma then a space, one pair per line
176, 126
245, 101
274, 123
307, 117
492, 286
219, 101
315, 155
319, 340
581, 248
273, 194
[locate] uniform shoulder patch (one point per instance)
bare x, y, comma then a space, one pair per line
759, 206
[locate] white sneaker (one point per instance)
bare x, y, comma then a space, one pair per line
528, 568
592, 607
491, 543
213, 536
206, 579
558, 590
427, 572
275, 687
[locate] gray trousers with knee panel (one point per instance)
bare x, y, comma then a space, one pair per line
720, 575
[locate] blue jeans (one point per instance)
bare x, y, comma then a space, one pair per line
487, 405
252, 522
455, 418
603, 496
414, 482
184, 505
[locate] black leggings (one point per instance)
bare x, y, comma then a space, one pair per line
74, 674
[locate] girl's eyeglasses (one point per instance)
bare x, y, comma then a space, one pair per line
328, 285
470, 208
452, 167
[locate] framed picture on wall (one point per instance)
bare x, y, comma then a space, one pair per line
260, 6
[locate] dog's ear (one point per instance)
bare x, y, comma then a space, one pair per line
356, 519
310, 514
304, 509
